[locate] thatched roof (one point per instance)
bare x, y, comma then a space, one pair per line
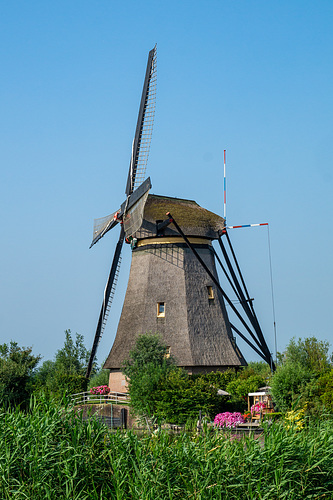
193, 219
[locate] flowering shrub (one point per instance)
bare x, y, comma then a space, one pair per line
228, 419
258, 407
295, 418
101, 390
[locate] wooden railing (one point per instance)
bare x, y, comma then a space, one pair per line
82, 398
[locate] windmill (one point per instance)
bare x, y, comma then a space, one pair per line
173, 287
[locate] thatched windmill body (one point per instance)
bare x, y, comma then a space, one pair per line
173, 287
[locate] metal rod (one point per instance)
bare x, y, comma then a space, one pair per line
256, 324
216, 282
248, 342
244, 302
249, 312
247, 225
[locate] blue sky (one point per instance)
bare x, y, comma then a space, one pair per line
252, 77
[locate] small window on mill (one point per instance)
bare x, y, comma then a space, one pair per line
210, 292
160, 310
167, 352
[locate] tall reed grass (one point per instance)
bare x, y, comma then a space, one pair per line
49, 453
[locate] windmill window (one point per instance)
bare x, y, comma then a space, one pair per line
160, 309
210, 292
167, 352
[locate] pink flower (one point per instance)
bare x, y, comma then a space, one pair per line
228, 419
258, 407
102, 390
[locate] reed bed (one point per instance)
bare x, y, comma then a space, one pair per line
49, 453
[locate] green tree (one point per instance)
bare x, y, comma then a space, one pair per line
311, 353
288, 383
148, 349
296, 379
147, 365
66, 374
17, 365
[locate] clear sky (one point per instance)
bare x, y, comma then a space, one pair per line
253, 77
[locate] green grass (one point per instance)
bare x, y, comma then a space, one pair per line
47, 453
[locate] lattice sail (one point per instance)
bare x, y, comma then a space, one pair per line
134, 217
103, 225
144, 129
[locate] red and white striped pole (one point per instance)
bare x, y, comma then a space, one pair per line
224, 191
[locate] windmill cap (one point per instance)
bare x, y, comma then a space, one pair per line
193, 219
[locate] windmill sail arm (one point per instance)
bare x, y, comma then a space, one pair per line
108, 296
141, 142
103, 225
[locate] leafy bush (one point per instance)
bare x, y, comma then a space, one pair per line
180, 397
240, 387
288, 382
325, 384
219, 379
17, 366
303, 376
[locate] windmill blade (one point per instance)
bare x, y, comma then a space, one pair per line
134, 216
103, 225
107, 300
144, 127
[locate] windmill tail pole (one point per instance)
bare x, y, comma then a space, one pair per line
224, 188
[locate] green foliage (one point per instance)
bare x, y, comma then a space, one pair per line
220, 380
258, 368
50, 453
148, 349
302, 376
311, 353
144, 388
73, 357
101, 377
66, 374
287, 384
180, 397
146, 367
325, 384
240, 387
246, 380
17, 366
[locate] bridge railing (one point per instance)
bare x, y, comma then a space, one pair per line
82, 398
